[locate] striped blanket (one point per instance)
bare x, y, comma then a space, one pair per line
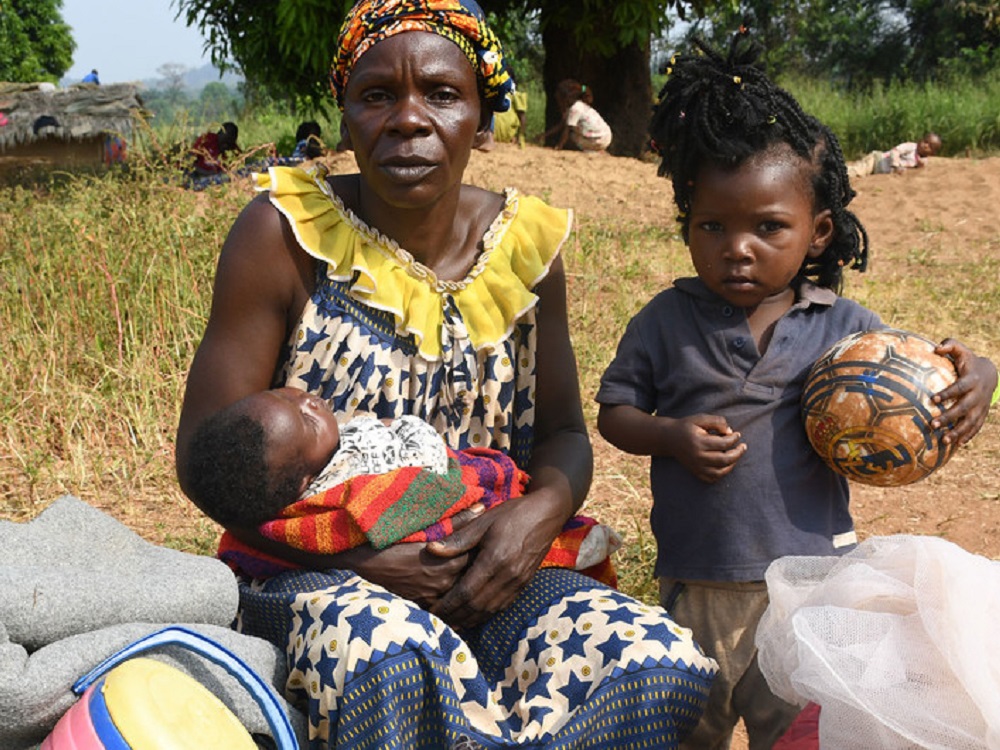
411, 504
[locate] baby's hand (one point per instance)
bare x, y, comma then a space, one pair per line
977, 378
706, 446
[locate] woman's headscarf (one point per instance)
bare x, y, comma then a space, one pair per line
461, 21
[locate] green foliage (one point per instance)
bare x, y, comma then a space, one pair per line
283, 48
858, 42
35, 42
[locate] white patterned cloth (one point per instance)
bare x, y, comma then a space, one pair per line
370, 446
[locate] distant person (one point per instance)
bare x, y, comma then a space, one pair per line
509, 126
581, 124
210, 148
91, 77
308, 144
904, 156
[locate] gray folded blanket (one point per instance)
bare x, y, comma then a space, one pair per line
76, 586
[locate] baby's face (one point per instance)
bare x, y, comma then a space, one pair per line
299, 425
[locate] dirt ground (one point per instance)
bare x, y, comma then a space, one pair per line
947, 207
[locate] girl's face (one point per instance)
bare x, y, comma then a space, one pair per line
752, 227
412, 113
299, 425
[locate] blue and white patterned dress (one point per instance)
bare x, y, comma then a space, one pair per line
572, 663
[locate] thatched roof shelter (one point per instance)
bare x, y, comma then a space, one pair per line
85, 126
78, 113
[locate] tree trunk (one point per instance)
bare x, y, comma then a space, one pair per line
622, 86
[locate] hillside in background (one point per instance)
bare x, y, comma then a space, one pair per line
194, 79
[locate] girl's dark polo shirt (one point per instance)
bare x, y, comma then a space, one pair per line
688, 352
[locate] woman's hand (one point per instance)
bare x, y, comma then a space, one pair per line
510, 541
410, 571
977, 379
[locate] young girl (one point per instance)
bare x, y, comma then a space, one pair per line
580, 122
708, 377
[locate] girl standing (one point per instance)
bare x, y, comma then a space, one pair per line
708, 377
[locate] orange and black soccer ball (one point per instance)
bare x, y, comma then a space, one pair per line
867, 407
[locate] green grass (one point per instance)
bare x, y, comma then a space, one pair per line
965, 112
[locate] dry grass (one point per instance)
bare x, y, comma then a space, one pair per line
105, 285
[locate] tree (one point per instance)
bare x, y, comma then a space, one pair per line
35, 42
217, 102
604, 44
857, 42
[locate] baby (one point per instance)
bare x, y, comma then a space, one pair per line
278, 460
274, 447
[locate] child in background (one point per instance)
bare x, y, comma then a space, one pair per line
904, 156
581, 124
210, 149
308, 142
708, 377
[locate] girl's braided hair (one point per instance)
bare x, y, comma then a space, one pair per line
723, 110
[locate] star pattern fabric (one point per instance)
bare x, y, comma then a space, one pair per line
352, 355
587, 656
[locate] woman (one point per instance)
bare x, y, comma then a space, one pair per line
456, 643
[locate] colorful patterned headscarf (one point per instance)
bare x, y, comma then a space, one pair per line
461, 21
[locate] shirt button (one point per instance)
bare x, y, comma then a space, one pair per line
738, 342
727, 312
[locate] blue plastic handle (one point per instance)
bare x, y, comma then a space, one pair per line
262, 693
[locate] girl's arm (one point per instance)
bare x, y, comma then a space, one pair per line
702, 443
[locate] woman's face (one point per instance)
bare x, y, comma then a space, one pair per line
412, 112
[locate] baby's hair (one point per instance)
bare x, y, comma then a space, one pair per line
230, 479
571, 91
724, 110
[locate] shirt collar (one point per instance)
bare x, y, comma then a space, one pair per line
806, 292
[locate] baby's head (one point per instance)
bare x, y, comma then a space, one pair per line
929, 145
256, 456
722, 112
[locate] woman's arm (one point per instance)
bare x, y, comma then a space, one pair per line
513, 537
261, 277
261, 285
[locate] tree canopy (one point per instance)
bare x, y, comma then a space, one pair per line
858, 42
35, 42
283, 47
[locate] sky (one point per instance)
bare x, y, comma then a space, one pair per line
127, 40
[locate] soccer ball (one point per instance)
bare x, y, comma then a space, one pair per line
867, 407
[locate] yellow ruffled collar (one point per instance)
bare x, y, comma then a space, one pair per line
518, 250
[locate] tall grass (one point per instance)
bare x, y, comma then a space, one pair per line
964, 111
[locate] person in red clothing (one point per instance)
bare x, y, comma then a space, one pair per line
209, 149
